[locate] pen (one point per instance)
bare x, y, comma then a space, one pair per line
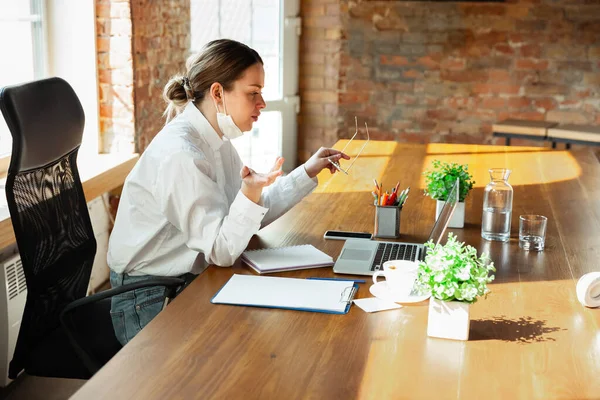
339, 279
404, 201
375, 198
404, 194
401, 197
384, 199
392, 199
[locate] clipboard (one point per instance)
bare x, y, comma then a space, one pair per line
323, 296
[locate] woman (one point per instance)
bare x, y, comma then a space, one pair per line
189, 201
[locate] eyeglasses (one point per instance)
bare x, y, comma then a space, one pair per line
337, 164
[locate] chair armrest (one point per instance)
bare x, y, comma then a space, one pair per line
97, 302
170, 283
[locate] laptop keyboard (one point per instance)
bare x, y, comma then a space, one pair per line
394, 251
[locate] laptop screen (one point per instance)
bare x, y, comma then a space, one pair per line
437, 232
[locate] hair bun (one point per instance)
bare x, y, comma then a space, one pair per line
185, 82
176, 95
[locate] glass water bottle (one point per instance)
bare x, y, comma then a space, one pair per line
497, 206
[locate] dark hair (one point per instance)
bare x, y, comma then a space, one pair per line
222, 61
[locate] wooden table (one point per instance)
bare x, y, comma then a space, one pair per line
530, 339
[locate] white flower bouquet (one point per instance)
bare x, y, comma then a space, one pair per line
454, 272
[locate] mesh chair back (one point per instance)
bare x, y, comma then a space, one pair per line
47, 206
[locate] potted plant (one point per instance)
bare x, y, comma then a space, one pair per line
454, 276
438, 183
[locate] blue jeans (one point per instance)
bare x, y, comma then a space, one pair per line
132, 311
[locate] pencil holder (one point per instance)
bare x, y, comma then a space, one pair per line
387, 222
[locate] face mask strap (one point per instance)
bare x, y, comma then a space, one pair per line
224, 105
217, 107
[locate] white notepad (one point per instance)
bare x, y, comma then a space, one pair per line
327, 296
286, 258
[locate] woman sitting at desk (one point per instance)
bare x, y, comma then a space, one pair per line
189, 201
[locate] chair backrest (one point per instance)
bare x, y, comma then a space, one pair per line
47, 205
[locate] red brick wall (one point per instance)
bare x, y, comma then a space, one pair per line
141, 43
320, 52
445, 71
115, 75
161, 43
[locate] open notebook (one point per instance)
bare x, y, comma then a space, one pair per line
286, 258
328, 296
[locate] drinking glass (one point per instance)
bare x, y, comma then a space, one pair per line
532, 232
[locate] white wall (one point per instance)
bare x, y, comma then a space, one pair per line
71, 49
71, 44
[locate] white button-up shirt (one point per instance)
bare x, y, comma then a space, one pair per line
181, 207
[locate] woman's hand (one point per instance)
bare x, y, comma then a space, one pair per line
320, 160
254, 182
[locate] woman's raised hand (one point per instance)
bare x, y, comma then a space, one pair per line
253, 182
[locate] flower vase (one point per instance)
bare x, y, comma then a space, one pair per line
458, 218
448, 319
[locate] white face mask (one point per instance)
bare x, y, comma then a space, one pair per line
229, 129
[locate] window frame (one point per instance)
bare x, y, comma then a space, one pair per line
37, 18
287, 101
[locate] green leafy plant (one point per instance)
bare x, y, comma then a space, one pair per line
453, 272
440, 179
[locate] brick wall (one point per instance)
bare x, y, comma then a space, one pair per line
445, 71
141, 43
320, 52
115, 75
161, 43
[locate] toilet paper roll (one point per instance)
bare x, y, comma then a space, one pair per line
588, 289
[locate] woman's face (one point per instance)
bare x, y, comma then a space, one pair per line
244, 101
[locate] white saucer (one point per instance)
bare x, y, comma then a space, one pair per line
382, 291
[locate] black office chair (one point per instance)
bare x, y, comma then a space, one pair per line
63, 333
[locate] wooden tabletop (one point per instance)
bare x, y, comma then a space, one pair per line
530, 339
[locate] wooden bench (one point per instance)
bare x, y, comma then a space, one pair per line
548, 131
521, 129
576, 134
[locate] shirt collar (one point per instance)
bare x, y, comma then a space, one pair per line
201, 124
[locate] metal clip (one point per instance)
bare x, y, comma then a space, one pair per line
348, 297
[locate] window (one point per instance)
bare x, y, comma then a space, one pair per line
23, 22
271, 27
50, 38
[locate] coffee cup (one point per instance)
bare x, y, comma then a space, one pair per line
400, 276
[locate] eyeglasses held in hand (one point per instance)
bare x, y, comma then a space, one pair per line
337, 164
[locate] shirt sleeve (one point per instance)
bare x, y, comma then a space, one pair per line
286, 192
196, 206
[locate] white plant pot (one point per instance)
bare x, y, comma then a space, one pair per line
448, 319
458, 218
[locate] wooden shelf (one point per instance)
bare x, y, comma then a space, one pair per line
99, 174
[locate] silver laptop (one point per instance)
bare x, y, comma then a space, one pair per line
364, 257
